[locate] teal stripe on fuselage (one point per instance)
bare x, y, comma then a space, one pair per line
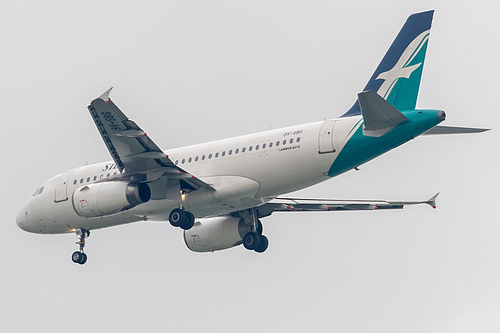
361, 149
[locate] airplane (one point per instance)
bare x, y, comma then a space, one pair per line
219, 191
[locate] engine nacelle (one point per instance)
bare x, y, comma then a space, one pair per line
216, 233
108, 198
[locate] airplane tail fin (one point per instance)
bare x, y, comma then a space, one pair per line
397, 77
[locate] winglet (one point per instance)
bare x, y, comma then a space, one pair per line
105, 95
432, 201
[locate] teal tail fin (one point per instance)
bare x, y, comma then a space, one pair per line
397, 78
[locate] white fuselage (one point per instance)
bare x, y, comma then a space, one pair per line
245, 171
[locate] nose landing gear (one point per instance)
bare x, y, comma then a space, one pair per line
79, 257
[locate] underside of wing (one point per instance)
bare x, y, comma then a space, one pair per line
327, 205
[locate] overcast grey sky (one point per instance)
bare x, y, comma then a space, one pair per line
193, 71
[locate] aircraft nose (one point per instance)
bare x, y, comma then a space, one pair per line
20, 218
24, 221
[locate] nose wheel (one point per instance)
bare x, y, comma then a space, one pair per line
79, 257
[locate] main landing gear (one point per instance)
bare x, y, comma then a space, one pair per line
181, 218
254, 239
79, 257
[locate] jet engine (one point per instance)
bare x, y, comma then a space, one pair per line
108, 198
216, 233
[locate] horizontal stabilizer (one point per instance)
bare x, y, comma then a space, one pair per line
379, 115
441, 130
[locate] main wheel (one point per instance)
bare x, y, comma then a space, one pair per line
264, 243
188, 222
260, 229
177, 217
251, 240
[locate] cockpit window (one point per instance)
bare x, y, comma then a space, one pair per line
38, 191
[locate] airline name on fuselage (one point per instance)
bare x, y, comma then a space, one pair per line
109, 166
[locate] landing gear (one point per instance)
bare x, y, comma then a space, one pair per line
181, 218
79, 257
264, 243
256, 242
254, 239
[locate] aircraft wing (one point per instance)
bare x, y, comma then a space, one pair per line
131, 148
326, 205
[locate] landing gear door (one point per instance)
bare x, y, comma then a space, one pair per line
62, 187
325, 140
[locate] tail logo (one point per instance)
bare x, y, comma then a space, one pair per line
402, 69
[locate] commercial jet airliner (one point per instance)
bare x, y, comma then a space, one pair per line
219, 191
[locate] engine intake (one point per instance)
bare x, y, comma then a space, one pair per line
108, 198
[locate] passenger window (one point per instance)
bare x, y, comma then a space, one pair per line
189, 160
257, 147
74, 182
108, 175
298, 139
243, 149
270, 144
224, 153
277, 143
291, 140
88, 179
237, 151
183, 161
196, 159
176, 162
114, 173
230, 152
250, 148
95, 178
209, 156
81, 180
36, 192
264, 146
216, 154
284, 142
203, 158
